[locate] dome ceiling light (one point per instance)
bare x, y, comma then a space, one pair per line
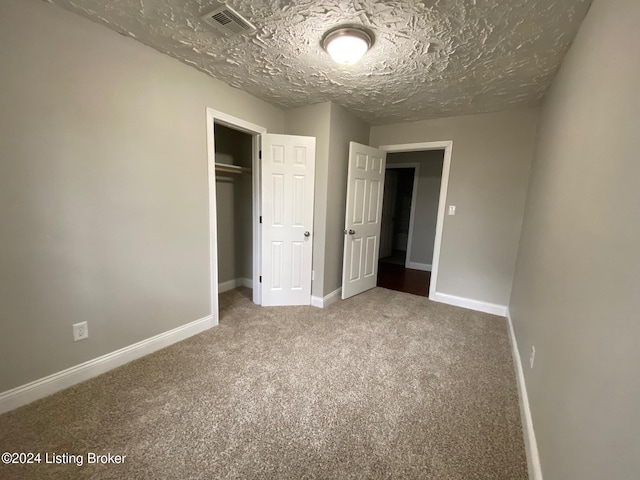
347, 45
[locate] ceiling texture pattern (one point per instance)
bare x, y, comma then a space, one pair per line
431, 58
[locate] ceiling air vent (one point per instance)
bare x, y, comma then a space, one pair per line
228, 20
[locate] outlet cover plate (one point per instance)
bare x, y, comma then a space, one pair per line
80, 331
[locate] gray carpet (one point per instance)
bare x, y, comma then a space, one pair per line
383, 385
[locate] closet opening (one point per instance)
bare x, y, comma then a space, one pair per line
234, 177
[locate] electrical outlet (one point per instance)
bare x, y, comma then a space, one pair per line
80, 331
533, 355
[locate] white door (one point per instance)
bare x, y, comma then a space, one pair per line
365, 182
288, 171
388, 213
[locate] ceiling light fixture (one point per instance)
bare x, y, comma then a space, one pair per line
347, 45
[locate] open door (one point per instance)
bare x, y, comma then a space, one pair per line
288, 172
365, 186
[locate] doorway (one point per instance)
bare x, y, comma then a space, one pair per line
282, 197
398, 211
413, 216
234, 175
221, 119
398, 216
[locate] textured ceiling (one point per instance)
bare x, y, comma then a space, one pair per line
431, 58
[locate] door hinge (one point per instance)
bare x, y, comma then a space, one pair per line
260, 218
260, 154
260, 278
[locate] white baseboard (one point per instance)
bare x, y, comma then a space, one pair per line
425, 267
322, 302
43, 387
530, 444
477, 305
226, 286
333, 297
235, 283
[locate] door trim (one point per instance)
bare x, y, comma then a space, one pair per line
213, 117
414, 198
447, 146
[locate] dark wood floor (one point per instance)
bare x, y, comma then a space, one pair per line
396, 277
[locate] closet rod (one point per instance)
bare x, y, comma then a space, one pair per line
222, 167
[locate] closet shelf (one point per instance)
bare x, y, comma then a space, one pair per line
223, 167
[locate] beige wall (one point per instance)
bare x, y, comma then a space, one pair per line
103, 188
490, 164
234, 205
578, 272
427, 200
314, 121
345, 128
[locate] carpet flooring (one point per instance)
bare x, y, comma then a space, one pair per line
385, 385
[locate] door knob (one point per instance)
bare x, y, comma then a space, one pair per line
352, 232
306, 234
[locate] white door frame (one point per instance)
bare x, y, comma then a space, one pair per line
447, 146
414, 197
213, 117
